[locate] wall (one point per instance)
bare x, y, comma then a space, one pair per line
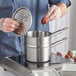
73, 25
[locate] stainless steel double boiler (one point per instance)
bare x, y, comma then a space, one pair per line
37, 46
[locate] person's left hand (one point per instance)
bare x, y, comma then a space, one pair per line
53, 13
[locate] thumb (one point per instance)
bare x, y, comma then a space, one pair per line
50, 11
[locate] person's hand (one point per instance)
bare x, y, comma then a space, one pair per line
53, 13
8, 24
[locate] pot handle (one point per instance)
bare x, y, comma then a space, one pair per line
60, 30
58, 42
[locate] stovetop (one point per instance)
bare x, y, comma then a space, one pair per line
54, 59
20, 67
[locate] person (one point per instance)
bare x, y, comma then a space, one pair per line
10, 44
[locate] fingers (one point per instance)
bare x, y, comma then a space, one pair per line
14, 24
53, 13
50, 11
10, 25
8, 29
53, 16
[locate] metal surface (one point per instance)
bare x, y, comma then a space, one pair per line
24, 17
37, 38
46, 72
15, 67
40, 38
38, 45
20, 70
41, 54
31, 69
68, 69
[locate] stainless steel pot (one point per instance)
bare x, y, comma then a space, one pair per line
38, 45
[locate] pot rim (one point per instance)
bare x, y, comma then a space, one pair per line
47, 34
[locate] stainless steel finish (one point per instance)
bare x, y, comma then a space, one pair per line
37, 39
68, 73
40, 38
20, 70
15, 67
30, 69
46, 72
68, 69
37, 66
24, 16
63, 29
37, 46
41, 54
58, 42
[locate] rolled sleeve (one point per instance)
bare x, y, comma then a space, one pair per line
55, 2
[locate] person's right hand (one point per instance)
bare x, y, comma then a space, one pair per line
54, 13
8, 24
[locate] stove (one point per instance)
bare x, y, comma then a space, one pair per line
20, 67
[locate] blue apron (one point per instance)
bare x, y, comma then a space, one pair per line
9, 43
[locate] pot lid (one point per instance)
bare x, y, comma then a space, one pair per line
24, 16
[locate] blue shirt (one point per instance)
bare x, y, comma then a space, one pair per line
11, 44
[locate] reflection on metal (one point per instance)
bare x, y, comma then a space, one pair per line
58, 42
24, 17
30, 69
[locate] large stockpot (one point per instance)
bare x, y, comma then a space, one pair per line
37, 46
